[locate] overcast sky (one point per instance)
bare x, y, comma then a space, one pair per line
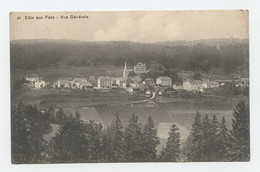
137, 26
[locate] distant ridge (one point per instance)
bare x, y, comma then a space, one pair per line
199, 55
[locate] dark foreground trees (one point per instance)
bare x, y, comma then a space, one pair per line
210, 140
90, 141
239, 144
28, 125
172, 150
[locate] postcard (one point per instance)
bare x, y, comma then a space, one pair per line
129, 86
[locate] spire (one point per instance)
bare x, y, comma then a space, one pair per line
125, 71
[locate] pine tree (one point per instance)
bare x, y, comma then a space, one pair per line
70, 143
172, 150
51, 113
60, 116
77, 115
194, 149
95, 144
150, 140
222, 140
133, 138
210, 137
214, 144
28, 127
206, 139
117, 147
240, 138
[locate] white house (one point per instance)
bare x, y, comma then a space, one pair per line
63, 83
193, 85
140, 68
212, 84
164, 81
120, 82
104, 82
39, 83
31, 77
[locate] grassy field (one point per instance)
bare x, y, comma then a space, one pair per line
92, 105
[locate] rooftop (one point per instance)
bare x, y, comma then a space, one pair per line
163, 77
32, 76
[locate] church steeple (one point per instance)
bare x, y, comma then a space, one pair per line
125, 73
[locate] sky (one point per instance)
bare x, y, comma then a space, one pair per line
136, 26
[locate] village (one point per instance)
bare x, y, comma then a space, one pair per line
136, 80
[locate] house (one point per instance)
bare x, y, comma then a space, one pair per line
223, 82
140, 68
31, 78
211, 84
148, 92
177, 86
92, 80
104, 82
120, 82
39, 83
86, 85
195, 85
130, 90
164, 81
136, 79
64, 83
76, 82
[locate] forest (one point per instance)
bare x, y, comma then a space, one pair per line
228, 55
80, 141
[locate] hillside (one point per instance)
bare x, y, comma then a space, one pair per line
203, 55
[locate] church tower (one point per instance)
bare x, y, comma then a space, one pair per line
125, 72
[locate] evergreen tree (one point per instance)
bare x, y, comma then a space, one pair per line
240, 137
222, 140
172, 150
60, 116
206, 139
28, 127
210, 137
214, 145
95, 147
150, 141
77, 115
70, 143
133, 138
193, 148
51, 114
117, 147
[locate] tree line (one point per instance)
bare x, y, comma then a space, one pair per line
80, 141
229, 56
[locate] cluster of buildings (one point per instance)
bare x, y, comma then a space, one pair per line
81, 83
34, 81
133, 82
197, 85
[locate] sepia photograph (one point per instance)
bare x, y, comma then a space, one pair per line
129, 86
